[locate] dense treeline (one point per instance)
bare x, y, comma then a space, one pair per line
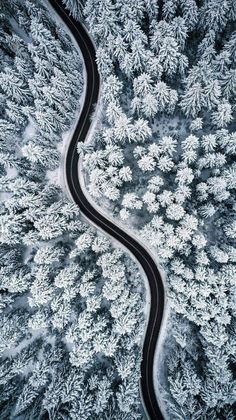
71, 303
164, 161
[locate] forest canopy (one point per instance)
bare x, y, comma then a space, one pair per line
161, 162
71, 302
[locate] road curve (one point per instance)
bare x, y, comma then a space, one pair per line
72, 175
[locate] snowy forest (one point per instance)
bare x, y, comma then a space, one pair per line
162, 162
71, 302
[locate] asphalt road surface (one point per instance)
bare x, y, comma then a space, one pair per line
154, 278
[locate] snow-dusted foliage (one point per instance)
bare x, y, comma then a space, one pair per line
71, 303
164, 161
71, 340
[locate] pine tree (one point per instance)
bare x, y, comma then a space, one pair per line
228, 83
223, 115
14, 87
75, 7
192, 100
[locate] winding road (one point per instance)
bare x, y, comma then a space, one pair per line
141, 254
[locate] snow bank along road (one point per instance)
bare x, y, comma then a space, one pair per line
155, 282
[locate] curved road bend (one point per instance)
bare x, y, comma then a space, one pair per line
155, 282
